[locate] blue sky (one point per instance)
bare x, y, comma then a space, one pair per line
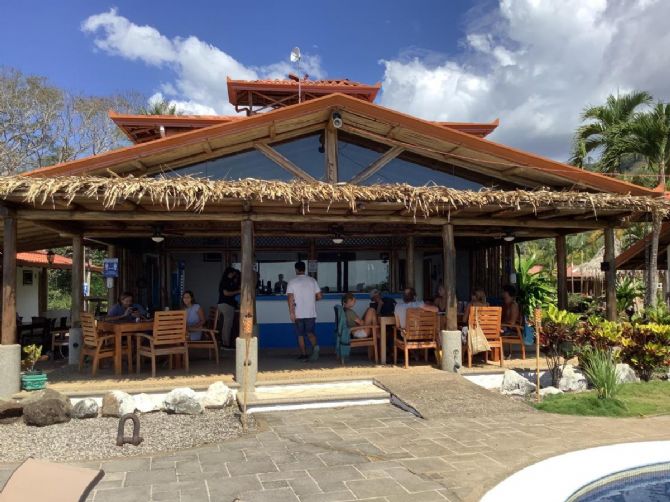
534, 65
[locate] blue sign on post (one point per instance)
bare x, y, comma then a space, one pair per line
110, 267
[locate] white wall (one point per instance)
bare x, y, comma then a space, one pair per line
202, 278
27, 297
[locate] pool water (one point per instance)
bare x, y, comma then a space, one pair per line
646, 484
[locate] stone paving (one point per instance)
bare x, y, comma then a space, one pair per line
374, 453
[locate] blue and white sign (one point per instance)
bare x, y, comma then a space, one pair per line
110, 267
86, 289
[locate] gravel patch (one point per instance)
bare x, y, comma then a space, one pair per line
95, 439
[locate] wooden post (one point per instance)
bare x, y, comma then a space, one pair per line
667, 274
449, 251
248, 287
43, 291
112, 294
561, 273
330, 140
652, 285
409, 263
9, 281
610, 275
77, 279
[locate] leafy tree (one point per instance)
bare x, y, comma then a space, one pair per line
160, 107
535, 288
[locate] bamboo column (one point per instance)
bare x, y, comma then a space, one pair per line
610, 275
77, 279
449, 253
409, 263
248, 287
561, 272
9, 281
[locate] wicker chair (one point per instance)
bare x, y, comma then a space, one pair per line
419, 333
168, 339
99, 346
209, 333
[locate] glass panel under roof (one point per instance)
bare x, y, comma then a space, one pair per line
303, 152
250, 164
352, 159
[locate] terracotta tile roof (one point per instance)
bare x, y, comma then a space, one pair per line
39, 259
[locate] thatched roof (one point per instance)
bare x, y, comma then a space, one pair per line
194, 194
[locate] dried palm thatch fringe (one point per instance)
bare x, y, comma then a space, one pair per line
194, 194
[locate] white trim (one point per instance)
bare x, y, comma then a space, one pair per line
567, 473
314, 406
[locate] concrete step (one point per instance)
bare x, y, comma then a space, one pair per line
267, 398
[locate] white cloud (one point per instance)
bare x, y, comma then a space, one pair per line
200, 68
536, 65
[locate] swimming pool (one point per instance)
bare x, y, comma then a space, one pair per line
561, 478
646, 484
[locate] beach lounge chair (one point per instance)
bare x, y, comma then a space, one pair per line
36, 480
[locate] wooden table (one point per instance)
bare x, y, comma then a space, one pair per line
119, 329
384, 323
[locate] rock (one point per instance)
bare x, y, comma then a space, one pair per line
117, 403
46, 407
86, 408
547, 391
183, 401
145, 403
572, 380
625, 374
10, 411
218, 395
515, 384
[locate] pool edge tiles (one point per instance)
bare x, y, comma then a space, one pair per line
575, 470
631, 477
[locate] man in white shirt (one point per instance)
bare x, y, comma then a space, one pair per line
303, 293
409, 301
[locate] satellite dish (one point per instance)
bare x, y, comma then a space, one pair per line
295, 54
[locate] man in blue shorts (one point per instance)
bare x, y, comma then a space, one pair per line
303, 293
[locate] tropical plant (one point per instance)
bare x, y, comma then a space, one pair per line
605, 128
599, 366
650, 138
658, 314
33, 354
627, 290
160, 107
556, 339
646, 348
535, 289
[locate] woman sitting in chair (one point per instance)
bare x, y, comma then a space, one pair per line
195, 316
353, 321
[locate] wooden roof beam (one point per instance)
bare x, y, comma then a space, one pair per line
282, 161
376, 165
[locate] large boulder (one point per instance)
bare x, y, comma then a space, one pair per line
515, 384
218, 395
548, 391
10, 411
46, 407
145, 403
572, 380
117, 403
625, 374
183, 401
86, 408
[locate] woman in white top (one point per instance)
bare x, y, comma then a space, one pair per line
195, 316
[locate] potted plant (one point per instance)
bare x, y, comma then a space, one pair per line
32, 379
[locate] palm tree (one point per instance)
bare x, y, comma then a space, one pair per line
606, 125
650, 138
160, 107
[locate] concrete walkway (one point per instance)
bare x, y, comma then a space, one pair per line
378, 453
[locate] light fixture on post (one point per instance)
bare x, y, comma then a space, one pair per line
337, 120
51, 256
157, 237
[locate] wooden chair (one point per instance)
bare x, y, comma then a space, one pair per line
168, 339
420, 332
489, 319
209, 333
371, 342
98, 345
60, 337
514, 336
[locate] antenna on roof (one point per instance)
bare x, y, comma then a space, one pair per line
295, 58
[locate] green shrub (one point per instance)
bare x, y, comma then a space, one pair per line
599, 367
559, 328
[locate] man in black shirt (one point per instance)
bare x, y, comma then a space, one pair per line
383, 306
229, 288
